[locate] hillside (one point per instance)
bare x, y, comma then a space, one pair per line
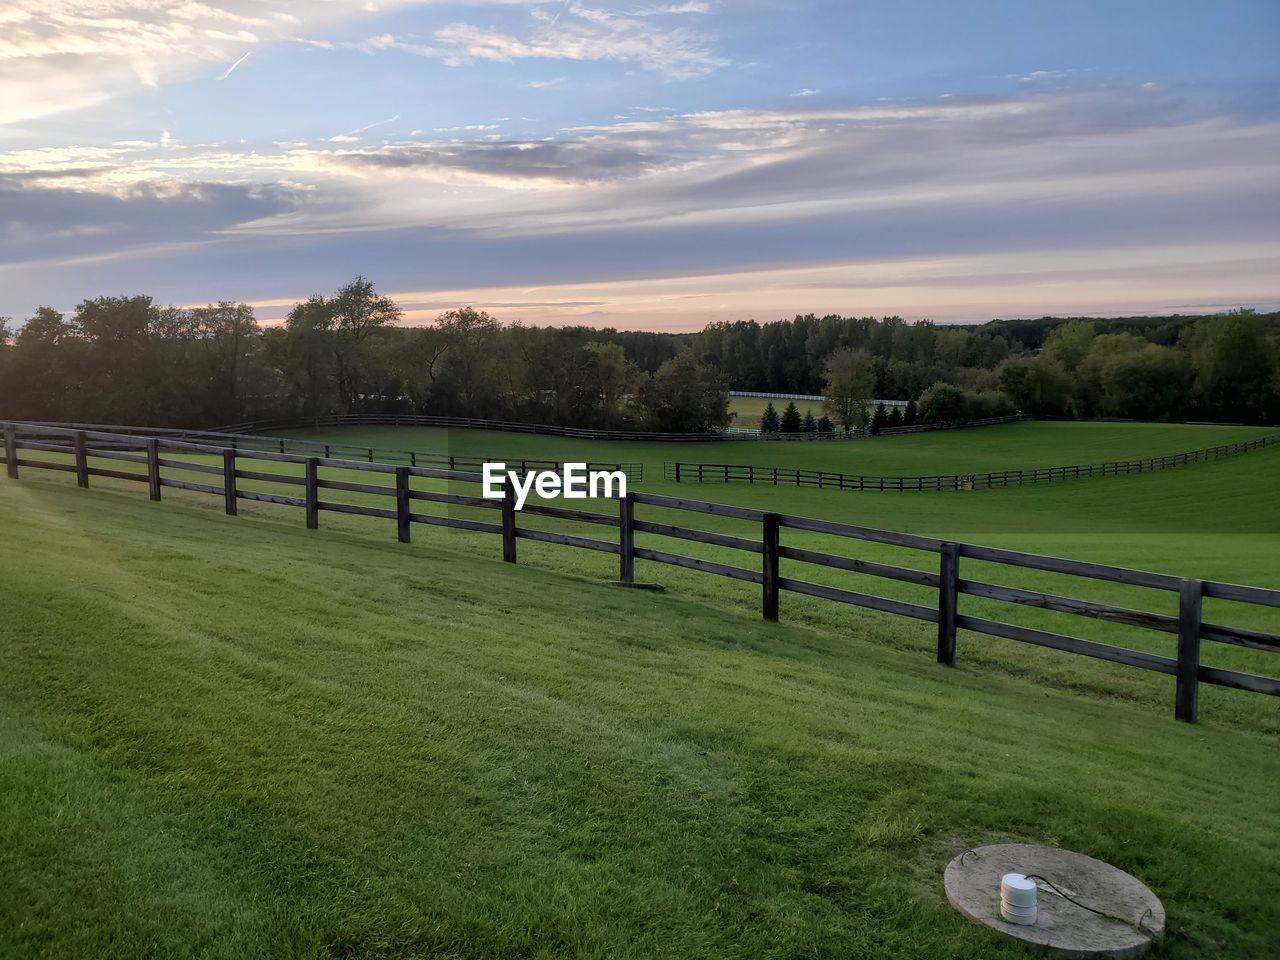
227, 737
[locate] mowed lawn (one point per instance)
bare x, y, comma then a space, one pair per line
1004, 447
232, 737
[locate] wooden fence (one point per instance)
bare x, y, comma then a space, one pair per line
634, 471
683, 472
1188, 626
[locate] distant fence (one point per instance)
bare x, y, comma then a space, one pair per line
682, 472
415, 458
812, 397
86, 448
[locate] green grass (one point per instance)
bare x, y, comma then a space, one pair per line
232, 737
747, 411
1009, 446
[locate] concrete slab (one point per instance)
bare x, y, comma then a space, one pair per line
1135, 915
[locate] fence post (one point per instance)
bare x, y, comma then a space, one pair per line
769, 567
82, 460
627, 538
312, 486
508, 523
948, 582
402, 504
153, 468
229, 481
1190, 604
677, 471
11, 450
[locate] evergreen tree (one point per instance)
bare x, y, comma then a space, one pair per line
809, 425
791, 419
825, 425
880, 419
911, 414
895, 417
769, 422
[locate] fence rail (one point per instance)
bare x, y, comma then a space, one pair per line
683, 472
85, 448
247, 441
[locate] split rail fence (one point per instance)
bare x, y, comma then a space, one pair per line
151, 457
683, 472
347, 451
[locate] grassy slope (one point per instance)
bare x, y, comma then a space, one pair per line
947, 451
1215, 521
232, 737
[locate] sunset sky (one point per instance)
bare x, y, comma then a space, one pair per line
645, 164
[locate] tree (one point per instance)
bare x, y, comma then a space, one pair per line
895, 417
911, 415
850, 380
685, 396
44, 369
942, 403
825, 425
1069, 343
880, 419
809, 425
612, 378
769, 422
358, 313
1038, 387
224, 331
790, 419
467, 382
1232, 366
306, 356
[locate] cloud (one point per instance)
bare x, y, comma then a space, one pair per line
512, 163
40, 221
713, 192
231, 69
806, 92
572, 33
59, 55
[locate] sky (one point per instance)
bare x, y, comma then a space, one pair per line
645, 164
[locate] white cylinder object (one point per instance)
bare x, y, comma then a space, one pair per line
1018, 899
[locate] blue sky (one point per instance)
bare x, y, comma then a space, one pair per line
644, 164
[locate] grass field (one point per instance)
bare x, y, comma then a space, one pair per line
747, 411
231, 737
1031, 444
235, 737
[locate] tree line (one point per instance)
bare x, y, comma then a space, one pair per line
131, 360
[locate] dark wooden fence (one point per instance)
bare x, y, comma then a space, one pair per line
446, 461
146, 457
682, 472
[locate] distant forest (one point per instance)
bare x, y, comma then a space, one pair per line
131, 360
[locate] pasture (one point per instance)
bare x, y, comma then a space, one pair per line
747, 411
233, 736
